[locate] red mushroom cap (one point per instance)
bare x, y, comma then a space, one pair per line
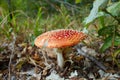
59, 38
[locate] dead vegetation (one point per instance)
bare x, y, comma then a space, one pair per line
23, 61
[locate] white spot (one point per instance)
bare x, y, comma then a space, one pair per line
73, 74
65, 36
59, 37
54, 76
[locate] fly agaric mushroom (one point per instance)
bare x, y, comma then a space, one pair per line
59, 39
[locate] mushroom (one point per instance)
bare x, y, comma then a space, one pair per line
58, 40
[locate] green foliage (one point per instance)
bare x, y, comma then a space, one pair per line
77, 1
109, 41
38, 30
114, 9
95, 13
30, 18
18, 24
108, 29
4, 4
115, 57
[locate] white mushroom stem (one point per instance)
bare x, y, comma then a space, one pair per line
60, 59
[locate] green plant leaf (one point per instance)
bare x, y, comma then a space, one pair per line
115, 59
107, 43
116, 53
106, 30
117, 40
77, 1
37, 28
114, 9
95, 11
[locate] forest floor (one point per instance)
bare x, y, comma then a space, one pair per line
22, 61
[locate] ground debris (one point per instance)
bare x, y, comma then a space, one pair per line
28, 63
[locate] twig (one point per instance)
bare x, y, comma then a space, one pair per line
9, 66
100, 65
12, 48
45, 58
